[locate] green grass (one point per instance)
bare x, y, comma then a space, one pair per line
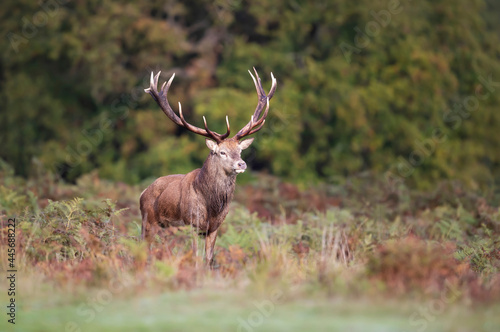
223, 310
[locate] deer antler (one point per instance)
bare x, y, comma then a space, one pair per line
255, 123
161, 99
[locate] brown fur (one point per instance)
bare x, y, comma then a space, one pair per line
199, 198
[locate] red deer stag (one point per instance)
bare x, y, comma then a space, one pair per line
200, 198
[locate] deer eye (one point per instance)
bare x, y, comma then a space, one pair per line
223, 153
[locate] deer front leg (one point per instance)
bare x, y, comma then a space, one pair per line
209, 247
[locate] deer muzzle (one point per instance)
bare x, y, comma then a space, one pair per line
240, 166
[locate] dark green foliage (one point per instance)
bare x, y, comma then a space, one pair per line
71, 87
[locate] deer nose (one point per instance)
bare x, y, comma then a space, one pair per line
242, 165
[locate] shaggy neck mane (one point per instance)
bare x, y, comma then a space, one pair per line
216, 185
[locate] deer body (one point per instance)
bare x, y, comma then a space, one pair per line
201, 197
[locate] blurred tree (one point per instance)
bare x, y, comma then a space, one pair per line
366, 85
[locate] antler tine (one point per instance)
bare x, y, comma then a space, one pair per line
212, 134
274, 84
263, 118
256, 129
255, 123
261, 92
255, 126
161, 99
260, 89
156, 78
207, 132
255, 82
151, 86
184, 122
228, 129
167, 83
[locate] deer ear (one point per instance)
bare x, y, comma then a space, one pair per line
211, 145
246, 143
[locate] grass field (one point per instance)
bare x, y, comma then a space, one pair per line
227, 310
362, 255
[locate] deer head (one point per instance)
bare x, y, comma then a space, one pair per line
226, 151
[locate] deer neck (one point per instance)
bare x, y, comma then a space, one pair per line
216, 186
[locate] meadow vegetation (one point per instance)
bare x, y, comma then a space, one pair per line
79, 249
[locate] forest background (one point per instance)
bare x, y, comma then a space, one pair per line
404, 89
